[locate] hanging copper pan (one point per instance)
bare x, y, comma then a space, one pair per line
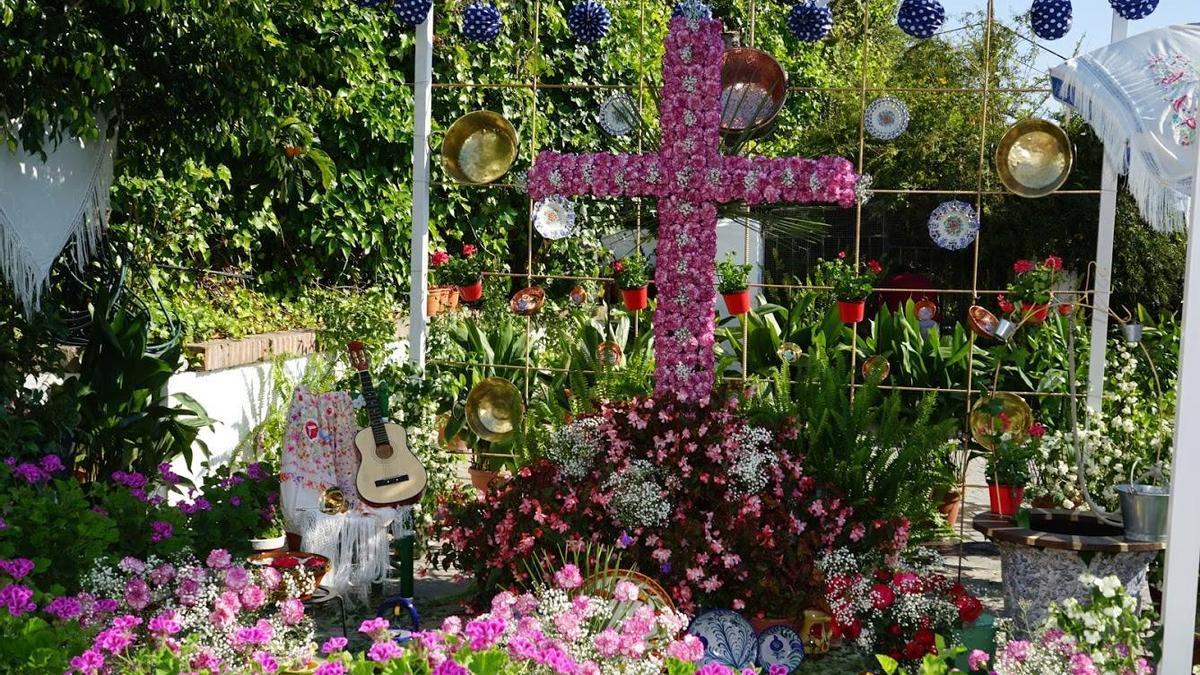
1034, 158
753, 89
479, 148
494, 409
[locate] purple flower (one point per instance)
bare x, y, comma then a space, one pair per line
130, 479
219, 559
235, 500
164, 624
484, 633
377, 628
89, 662
624, 541
3, 524
31, 473
51, 464
266, 662
168, 475
977, 659
17, 599
113, 640
18, 568
450, 667
334, 644
384, 651
332, 668
160, 530
292, 611
64, 608
137, 594
256, 471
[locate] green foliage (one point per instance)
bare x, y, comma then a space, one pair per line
732, 277
126, 420
632, 271
33, 645
243, 505
464, 269
1008, 464
1034, 281
847, 282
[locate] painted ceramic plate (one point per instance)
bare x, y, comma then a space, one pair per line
780, 645
886, 118
790, 352
728, 638
527, 301
609, 353
578, 296
953, 225
554, 217
617, 115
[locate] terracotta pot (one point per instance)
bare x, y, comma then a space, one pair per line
761, 622
482, 479
1034, 313
471, 293
737, 302
441, 299
951, 503
852, 311
635, 298
1005, 500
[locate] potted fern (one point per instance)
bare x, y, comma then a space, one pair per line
850, 286
466, 272
733, 281
632, 276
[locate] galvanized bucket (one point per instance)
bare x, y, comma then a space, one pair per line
1144, 511
1132, 332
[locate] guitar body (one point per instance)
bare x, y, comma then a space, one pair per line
398, 478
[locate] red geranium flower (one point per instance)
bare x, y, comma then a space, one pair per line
1037, 430
914, 650
1005, 305
852, 630
439, 258
882, 596
617, 265
1054, 262
926, 637
874, 266
1065, 308
314, 562
286, 562
1023, 266
841, 255
908, 583
469, 250
969, 608
895, 630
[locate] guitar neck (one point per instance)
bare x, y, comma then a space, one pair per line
372, 401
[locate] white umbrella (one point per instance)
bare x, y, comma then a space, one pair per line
1141, 95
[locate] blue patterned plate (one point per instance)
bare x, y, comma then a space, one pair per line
780, 645
617, 115
554, 217
886, 118
728, 638
953, 225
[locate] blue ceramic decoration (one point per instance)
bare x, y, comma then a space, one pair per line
780, 646
810, 20
1134, 9
481, 21
953, 225
1051, 19
886, 118
412, 12
921, 18
728, 638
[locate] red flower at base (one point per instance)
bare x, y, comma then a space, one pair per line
1065, 308
969, 608
1005, 306
882, 596
1037, 430
469, 250
1054, 262
1023, 266
914, 650
874, 266
439, 258
286, 562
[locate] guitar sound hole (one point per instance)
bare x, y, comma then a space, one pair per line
383, 451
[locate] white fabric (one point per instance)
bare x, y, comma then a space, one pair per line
43, 204
1141, 96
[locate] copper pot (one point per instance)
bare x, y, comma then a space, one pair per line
753, 89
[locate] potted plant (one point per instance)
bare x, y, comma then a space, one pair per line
632, 276
850, 286
466, 272
733, 281
443, 296
238, 510
1032, 289
1007, 475
272, 536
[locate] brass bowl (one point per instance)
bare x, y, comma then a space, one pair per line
333, 501
494, 409
876, 366
527, 301
1034, 158
982, 322
753, 89
1012, 416
479, 148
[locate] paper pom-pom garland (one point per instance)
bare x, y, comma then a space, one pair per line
481, 21
1134, 9
412, 12
1051, 19
692, 9
921, 18
589, 21
810, 20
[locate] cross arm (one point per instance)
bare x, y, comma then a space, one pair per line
795, 180
597, 175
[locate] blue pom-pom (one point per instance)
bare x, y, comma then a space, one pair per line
692, 9
369, 3
1051, 19
921, 18
589, 21
412, 12
809, 21
1134, 9
481, 21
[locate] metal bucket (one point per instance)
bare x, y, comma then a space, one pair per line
1133, 332
1144, 511
1005, 330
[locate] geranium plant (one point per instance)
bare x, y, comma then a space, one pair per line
464, 270
234, 507
848, 283
1032, 289
438, 271
631, 272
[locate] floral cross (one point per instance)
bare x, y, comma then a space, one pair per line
690, 176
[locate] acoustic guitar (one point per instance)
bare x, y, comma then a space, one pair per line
388, 472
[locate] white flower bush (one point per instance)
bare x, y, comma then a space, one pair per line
1129, 435
574, 446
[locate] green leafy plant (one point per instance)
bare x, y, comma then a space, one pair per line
847, 282
631, 272
238, 505
465, 269
1034, 281
732, 277
1009, 464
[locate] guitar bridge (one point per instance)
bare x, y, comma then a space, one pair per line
382, 482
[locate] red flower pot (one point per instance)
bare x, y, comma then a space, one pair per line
1034, 313
635, 298
737, 302
852, 311
471, 293
1004, 500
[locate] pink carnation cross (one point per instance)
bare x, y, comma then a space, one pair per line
689, 177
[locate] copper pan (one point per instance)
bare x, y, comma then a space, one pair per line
753, 89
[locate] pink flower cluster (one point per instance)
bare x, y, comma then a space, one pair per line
690, 176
